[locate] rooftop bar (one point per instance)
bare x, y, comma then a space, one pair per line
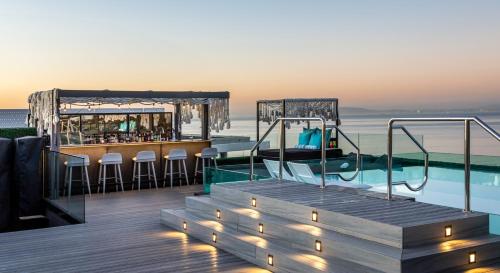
96, 124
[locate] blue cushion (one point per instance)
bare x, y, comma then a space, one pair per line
304, 137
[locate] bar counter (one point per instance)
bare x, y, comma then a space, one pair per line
130, 150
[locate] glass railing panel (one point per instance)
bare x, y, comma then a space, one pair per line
233, 173
64, 186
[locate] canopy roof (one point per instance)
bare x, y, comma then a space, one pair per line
45, 105
269, 110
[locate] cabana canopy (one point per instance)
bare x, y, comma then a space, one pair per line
213, 107
269, 110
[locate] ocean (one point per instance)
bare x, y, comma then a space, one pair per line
445, 137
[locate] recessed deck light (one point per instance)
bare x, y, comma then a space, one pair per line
447, 231
214, 237
261, 228
270, 260
472, 257
315, 216
217, 213
317, 245
184, 225
254, 202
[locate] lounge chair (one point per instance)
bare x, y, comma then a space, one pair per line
273, 167
303, 173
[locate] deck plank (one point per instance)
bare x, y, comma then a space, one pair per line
122, 234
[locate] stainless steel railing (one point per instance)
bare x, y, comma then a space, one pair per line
467, 121
358, 156
282, 145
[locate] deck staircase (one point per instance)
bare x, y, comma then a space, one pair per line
271, 225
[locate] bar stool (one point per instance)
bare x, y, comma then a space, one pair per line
110, 160
179, 155
209, 154
148, 157
81, 161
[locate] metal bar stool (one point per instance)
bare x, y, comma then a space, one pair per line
110, 160
209, 154
179, 155
148, 157
76, 161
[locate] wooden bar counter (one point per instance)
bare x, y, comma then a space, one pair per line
130, 150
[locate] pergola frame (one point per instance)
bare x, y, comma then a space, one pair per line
45, 106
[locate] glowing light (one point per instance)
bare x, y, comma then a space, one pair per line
184, 225
447, 231
317, 246
214, 237
254, 202
217, 213
472, 257
261, 228
315, 216
270, 260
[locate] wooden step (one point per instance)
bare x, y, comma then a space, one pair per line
400, 223
300, 236
256, 249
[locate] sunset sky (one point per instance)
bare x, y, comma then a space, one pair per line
376, 54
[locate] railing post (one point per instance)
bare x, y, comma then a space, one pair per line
323, 153
251, 166
282, 148
467, 164
389, 162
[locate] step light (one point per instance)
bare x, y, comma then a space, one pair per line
448, 231
184, 225
315, 216
214, 237
317, 246
261, 228
254, 202
270, 260
472, 257
217, 213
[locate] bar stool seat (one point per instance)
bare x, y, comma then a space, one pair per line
207, 154
148, 157
114, 160
179, 155
76, 161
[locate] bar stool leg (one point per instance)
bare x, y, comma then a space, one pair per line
215, 163
116, 178
139, 176
66, 172
121, 178
149, 174
87, 178
195, 170
154, 174
165, 174
203, 171
99, 178
104, 179
179, 171
171, 173
185, 171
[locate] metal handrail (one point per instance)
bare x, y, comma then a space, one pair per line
467, 121
282, 145
358, 155
426, 162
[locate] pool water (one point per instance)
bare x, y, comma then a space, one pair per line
444, 187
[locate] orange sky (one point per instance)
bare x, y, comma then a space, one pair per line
390, 55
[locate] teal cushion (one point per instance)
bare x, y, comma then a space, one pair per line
304, 138
316, 138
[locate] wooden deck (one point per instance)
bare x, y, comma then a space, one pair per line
122, 234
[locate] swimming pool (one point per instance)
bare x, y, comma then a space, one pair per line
445, 187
